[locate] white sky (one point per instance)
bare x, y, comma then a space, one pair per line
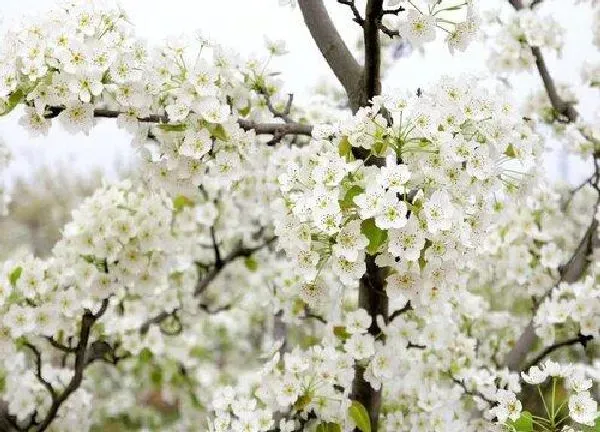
242, 25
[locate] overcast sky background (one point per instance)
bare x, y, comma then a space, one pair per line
242, 25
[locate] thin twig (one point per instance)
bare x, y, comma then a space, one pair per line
580, 339
357, 18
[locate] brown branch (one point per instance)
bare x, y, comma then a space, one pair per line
217, 251
580, 339
38, 369
473, 393
372, 70
334, 50
59, 346
58, 399
232, 256
357, 18
407, 307
278, 129
561, 107
569, 272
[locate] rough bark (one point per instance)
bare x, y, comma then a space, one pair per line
339, 58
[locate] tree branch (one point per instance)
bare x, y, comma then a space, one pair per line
562, 107
334, 50
580, 339
372, 71
232, 256
407, 307
569, 272
350, 3
276, 129
462, 384
58, 399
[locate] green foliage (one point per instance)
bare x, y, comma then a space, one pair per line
345, 148
358, 413
341, 333
180, 202
167, 127
15, 275
251, 263
329, 427
348, 200
523, 423
13, 100
376, 235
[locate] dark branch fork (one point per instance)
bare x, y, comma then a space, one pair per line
82, 360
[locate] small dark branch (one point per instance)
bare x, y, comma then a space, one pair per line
309, 314
38, 370
215, 245
395, 11
387, 31
278, 130
334, 50
576, 189
240, 252
462, 384
534, 3
59, 346
87, 322
580, 339
415, 346
158, 319
407, 307
283, 115
213, 311
357, 18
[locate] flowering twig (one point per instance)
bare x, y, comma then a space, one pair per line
276, 129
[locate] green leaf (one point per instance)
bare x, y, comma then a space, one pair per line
380, 147
523, 423
13, 100
341, 333
510, 151
175, 127
15, 275
156, 376
329, 427
302, 401
180, 202
358, 413
376, 235
348, 201
250, 263
217, 131
345, 148
245, 111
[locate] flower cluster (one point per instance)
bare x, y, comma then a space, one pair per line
420, 21
116, 247
522, 30
82, 61
582, 409
421, 198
